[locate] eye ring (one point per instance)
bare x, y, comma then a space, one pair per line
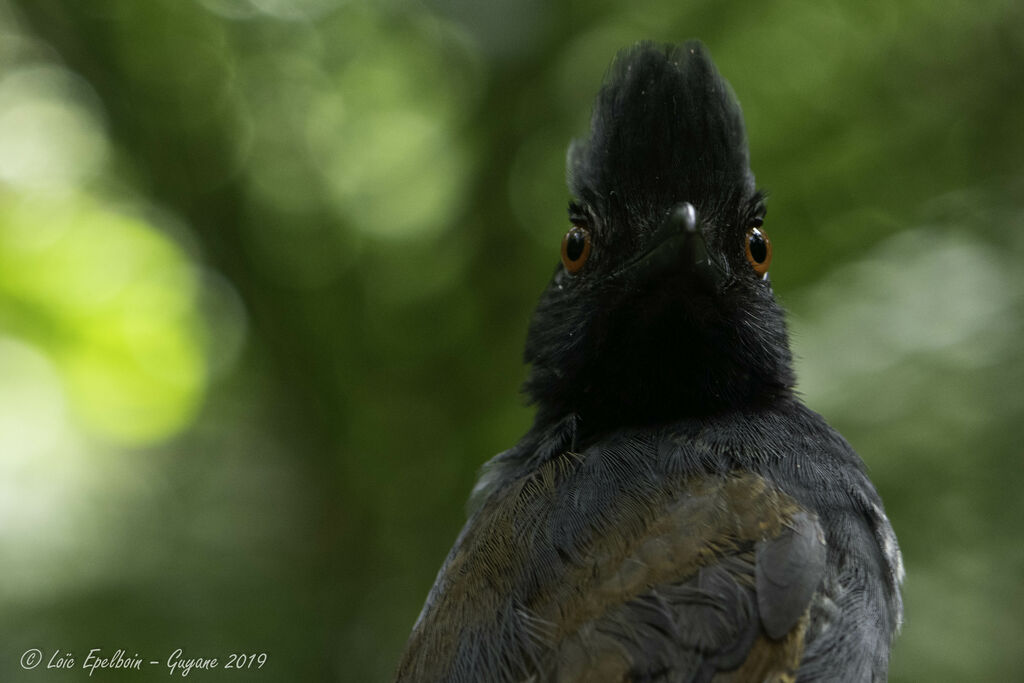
575, 249
759, 250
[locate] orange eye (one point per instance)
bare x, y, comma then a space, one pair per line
759, 251
575, 249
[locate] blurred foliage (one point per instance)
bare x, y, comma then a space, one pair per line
266, 268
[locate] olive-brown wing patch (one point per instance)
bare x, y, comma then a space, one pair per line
682, 601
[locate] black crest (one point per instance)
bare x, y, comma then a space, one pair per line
665, 128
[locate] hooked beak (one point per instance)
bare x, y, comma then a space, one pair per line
678, 244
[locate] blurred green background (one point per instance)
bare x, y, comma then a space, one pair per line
266, 268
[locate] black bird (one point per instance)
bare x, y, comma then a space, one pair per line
675, 513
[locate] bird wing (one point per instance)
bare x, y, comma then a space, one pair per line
718, 587
567, 575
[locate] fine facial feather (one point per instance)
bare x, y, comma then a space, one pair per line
666, 131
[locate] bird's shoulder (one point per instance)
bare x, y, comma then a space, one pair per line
647, 550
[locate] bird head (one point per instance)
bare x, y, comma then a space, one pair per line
661, 306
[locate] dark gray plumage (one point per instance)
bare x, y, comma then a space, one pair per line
675, 513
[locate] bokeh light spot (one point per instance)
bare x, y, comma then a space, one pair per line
113, 303
51, 137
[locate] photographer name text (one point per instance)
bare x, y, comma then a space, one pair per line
178, 663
